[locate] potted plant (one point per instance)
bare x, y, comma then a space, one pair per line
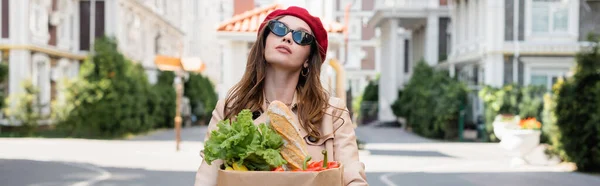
520, 141
502, 105
504, 122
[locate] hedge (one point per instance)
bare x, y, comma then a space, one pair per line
203, 97
111, 98
430, 102
577, 112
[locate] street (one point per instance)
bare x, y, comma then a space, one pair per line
392, 157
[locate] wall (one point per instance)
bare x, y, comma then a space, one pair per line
589, 16
241, 6
235, 63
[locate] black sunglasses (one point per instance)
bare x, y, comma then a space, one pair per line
300, 37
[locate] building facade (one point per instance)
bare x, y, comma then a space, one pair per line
408, 31
46, 40
525, 42
481, 42
360, 61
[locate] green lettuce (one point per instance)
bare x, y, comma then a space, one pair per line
257, 148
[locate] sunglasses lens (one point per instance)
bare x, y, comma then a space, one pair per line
302, 38
278, 28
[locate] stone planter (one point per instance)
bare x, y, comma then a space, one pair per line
502, 125
519, 143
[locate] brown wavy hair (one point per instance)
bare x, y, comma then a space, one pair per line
312, 99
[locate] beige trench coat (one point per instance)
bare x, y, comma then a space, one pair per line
342, 142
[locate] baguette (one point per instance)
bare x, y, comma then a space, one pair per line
294, 150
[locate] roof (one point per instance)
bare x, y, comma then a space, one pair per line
249, 21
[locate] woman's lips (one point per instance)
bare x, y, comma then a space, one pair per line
284, 49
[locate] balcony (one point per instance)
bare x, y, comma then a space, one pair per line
544, 48
409, 4
410, 12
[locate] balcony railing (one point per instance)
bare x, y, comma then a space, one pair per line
409, 4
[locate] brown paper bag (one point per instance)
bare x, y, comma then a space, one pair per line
330, 177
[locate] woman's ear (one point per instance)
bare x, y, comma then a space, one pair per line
306, 64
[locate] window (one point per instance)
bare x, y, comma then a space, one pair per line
406, 54
84, 23
4, 13
545, 78
157, 45
539, 80
549, 16
355, 31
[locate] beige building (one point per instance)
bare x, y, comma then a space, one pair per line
46, 40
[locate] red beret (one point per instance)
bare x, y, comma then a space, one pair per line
313, 22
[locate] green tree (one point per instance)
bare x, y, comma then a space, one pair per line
203, 97
25, 109
165, 97
3, 78
578, 112
430, 102
368, 103
110, 98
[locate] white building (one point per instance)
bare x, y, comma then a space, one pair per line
409, 31
486, 42
201, 39
360, 61
495, 45
46, 40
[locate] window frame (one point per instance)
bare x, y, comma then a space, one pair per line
548, 66
549, 74
571, 32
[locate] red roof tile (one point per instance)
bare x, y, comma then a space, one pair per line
249, 21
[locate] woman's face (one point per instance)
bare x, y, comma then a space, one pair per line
283, 52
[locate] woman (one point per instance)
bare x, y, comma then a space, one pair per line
284, 64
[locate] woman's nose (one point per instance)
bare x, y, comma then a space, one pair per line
288, 38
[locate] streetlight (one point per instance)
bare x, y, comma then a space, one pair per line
179, 66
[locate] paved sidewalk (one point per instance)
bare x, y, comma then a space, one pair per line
393, 157
195, 133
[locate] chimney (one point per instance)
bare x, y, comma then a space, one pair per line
240, 6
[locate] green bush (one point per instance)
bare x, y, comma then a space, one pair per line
430, 102
397, 106
531, 102
3, 78
368, 107
550, 132
503, 100
163, 100
111, 98
25, 109
578, 112
372, 91
203, 97
450, 95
